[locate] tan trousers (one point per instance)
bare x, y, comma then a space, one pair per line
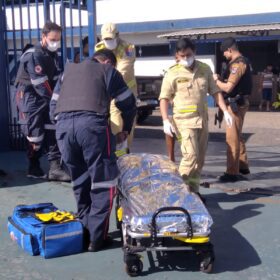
193, 147
117, 123
236, 150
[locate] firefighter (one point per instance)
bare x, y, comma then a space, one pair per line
186, 84
85, 139
38, 72
125, 54
237, 88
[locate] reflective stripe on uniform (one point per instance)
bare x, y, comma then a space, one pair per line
55, 96
80, 179
56, 77
49, 126
35, 139
104, 184
123, 95
189, 109
120, 153
39, 81
131, 83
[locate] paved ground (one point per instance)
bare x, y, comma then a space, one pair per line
246, 225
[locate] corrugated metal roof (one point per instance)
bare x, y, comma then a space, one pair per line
222, 30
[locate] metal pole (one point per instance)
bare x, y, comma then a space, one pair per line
91, 7
4, 114
46, 10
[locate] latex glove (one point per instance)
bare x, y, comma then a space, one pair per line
228, 118
168, 128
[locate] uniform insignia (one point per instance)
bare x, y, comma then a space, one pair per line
234, 70
129, 51
38, 69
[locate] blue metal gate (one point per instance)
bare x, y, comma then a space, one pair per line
21, 22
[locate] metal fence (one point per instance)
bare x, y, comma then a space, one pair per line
24, 20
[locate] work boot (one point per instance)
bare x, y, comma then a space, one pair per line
244, 171
231, 178
108, 242
56, 173
35, 170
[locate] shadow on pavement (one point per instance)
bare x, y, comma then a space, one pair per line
233, 251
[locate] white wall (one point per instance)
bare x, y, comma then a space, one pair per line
156, 66
119, 11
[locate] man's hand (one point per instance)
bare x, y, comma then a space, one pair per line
216, 77
121, 136
228, 118
168, 128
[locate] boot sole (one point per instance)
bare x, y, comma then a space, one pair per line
36, 177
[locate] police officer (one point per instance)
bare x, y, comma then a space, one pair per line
38, 72
125, 54
85, 139
236, 86
186, 84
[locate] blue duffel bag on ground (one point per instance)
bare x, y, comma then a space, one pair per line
42, 229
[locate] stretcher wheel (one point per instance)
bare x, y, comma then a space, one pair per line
207, 269
134, 268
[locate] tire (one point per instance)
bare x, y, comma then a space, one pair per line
134, 268
208, 269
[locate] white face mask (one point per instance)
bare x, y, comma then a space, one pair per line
110, 44
52, 46
187, 62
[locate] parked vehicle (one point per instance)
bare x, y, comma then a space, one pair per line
147, 99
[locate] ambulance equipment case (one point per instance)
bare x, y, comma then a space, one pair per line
49, 238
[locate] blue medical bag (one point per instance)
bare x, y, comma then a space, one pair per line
48, 239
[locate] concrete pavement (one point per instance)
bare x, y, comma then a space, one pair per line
246, 226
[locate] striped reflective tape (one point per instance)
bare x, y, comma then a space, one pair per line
123, 95
63, 235
35, 139
105, 184
49, 126
39, 81
80, 179
55, 96
131, 83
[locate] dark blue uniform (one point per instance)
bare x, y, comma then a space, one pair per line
37, 75
80, 105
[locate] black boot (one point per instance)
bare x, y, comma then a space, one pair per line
56, 173
35, 170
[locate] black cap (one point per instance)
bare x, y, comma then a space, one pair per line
227, 43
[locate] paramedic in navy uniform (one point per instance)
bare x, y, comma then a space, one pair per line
84, 137
36, 78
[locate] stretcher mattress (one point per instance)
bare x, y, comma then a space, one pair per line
149, 182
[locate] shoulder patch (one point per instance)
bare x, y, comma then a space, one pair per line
38, 69
129, 51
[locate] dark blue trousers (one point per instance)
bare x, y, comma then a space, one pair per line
87, 148
33, 118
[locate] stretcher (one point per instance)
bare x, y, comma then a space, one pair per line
155, 208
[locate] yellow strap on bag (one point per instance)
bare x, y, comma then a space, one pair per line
57, 216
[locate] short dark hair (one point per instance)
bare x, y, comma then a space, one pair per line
184, 43
104, 54
229, 42
50, 26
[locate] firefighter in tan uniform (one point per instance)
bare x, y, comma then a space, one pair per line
125, 54
237, 85
187, 84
